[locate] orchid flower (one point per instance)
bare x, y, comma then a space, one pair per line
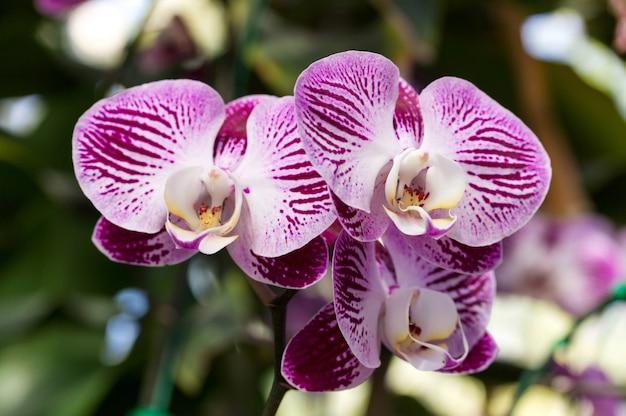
174, 171
573, 262
450, 167
433, 318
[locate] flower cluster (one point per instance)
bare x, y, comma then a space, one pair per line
424, 186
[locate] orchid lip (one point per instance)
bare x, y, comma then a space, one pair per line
417, 324
421, 190
203, 208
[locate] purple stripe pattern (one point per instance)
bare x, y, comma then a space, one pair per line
288, 202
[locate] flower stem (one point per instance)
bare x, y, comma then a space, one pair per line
248, 36
531, 376
278, 309
158, 385
379, 402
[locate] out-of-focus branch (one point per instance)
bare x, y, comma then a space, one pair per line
567, 196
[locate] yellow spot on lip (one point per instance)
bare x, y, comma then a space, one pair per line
209, 217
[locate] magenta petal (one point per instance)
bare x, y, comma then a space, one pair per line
359, 297
318, 358
142, 249
480, 356
230, 144
296, 270
361, 225
507, 169
450, 254
345, 108
125, 147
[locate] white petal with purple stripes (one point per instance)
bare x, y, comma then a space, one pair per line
360, 294
507, 169
287, 202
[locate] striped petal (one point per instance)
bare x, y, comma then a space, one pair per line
345, 106
450, 254
318, 359
230, 144
359, 297
136, 248
407, 119
288, 203
296, 270
507, 169
361, 225
125, 147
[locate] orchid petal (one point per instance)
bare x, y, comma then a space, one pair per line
359, 297
361, 225
480, 356
297, 270
507, 169
231, 140
450, 254
288, 202
125, 147
407, 119
131, 247
318, 359
345, 107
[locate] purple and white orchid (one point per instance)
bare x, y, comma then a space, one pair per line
385, 293
174, 171
449, 167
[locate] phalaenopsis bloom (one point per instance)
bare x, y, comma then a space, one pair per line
174, 171
385, 293
451, 168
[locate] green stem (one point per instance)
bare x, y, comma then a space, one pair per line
249, 35
278, 309
158, 386
532, 376
379, 403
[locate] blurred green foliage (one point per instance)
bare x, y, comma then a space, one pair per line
56, 289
